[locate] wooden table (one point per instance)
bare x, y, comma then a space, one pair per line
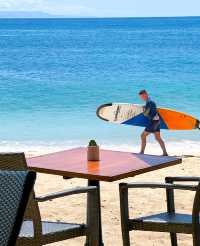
113, 165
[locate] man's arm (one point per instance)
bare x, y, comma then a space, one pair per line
147, 110
150, 110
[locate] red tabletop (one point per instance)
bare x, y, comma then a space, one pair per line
113, 165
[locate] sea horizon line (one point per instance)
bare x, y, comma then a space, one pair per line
100, 17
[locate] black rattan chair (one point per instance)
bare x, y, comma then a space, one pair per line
169, 221
37, 232
15, 188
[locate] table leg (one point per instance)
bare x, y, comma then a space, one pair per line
97, 184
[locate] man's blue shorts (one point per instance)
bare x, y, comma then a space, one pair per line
154, 126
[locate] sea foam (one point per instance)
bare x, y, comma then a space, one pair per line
179, 148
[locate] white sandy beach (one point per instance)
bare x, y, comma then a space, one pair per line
141, 202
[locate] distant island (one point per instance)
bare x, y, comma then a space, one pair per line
33, 14
40, 14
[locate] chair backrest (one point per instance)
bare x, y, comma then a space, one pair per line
13, 161
195, 214
16, 162
15, 188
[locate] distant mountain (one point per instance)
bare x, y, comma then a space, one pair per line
27, 14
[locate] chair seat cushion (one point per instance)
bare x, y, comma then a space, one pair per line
163, 222
50, 230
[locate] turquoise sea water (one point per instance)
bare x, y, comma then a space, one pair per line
55, 72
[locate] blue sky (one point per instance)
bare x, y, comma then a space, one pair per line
105, 8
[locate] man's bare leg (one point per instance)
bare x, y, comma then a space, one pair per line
143, 141
161, 142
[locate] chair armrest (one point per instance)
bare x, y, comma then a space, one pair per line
182, 179
59, 194
158, 185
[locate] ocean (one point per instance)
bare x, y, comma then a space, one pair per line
54, 73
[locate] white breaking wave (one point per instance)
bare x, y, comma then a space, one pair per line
182, 148
179, 148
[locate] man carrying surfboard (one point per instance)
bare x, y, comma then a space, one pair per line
150, 111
